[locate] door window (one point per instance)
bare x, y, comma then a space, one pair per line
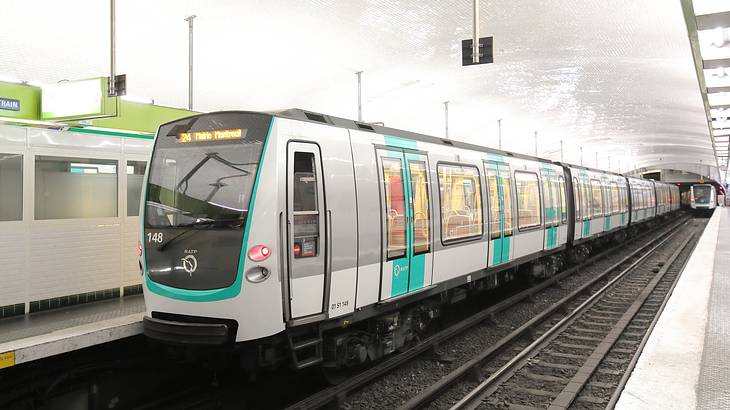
563, 207
596, 198
395, 207
421, 211
305, 204
493, 203
576, 199
507, 200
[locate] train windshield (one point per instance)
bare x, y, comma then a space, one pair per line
701, 193
203, 169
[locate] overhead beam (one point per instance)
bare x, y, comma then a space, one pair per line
716, 63
714, 20
711, 90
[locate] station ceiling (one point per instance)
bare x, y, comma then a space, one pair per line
615, 78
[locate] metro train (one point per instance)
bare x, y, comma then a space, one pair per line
306, 239
701, 198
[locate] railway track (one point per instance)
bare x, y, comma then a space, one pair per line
576, 354
335, 396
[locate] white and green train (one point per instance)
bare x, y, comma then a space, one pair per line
298, 237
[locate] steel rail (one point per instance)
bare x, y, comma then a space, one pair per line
632, 364
475, 397
468, 368
339, 392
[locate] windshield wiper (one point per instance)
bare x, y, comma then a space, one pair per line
208, 223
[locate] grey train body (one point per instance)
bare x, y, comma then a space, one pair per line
353, 235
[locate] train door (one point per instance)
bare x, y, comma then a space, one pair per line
406, 220
550, 208
499, 183
307, 230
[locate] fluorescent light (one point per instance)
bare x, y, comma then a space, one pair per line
8, 79
136, 99
718, 98
721, 124
719, 133
717, 77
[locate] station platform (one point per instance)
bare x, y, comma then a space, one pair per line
39, 335
685, 363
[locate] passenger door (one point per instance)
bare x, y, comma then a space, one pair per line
406, 222
306, 222
501, 228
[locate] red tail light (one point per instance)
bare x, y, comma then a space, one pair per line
297, 249
259, 253
139, 248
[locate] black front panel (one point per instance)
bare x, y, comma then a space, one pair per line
198, 195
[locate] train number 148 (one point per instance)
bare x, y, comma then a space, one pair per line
155, 237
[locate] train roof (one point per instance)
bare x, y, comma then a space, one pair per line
303, 115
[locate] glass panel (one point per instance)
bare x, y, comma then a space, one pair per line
547, 200
395, 207
135, 179
596, 198
11, 187
507, 200
494, 228
586, 201
75, 188
528, 199
203, 170
305, 226
563, 206
305, 182
615, 199
421, 211
555, 199
461, 206
576, 199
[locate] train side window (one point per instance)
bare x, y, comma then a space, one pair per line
421, 211
68, 188
528, 200
548, 199
576, 199
11, 187
395, 206
596, 198
461, 203
135, 179
563, 207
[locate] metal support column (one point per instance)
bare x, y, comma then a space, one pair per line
475, 44
359, 95
190, 60
113, 40
446, 118
499, 129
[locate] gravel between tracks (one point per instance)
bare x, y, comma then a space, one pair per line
405, 382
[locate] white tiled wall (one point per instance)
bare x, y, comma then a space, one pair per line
50, 258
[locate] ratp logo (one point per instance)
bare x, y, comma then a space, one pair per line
190, 264
397, 269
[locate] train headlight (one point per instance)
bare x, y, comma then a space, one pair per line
259, 253
257, 274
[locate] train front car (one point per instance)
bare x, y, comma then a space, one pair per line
207, 245
703, 198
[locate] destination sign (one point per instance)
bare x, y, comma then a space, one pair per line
215, 135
